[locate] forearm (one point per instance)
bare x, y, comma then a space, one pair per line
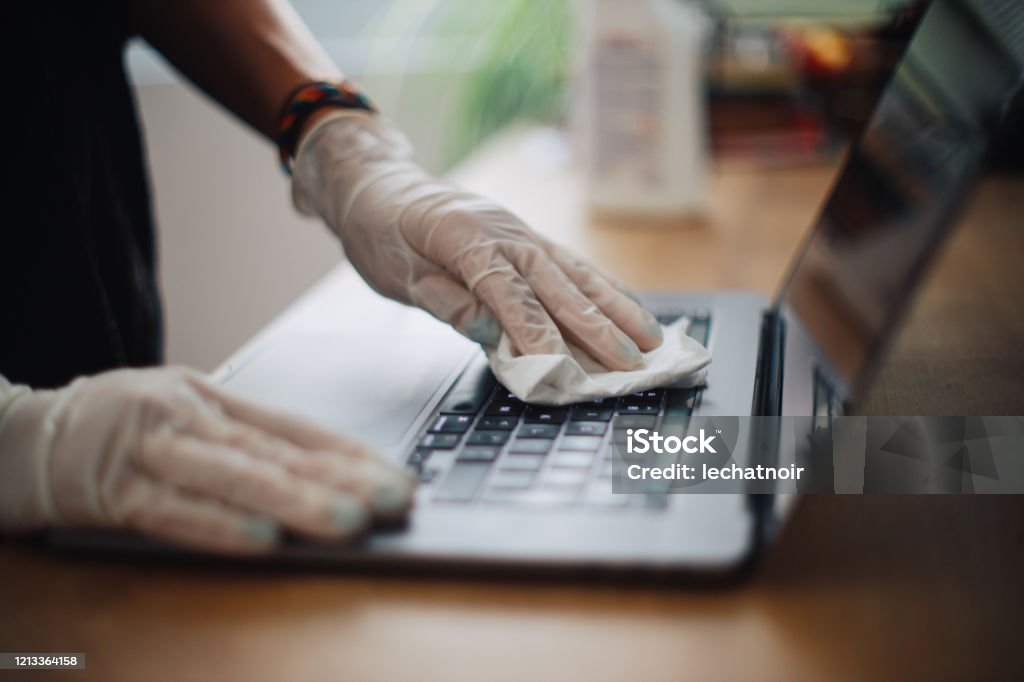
247, 54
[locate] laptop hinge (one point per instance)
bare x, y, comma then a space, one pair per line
770, 358
765, 436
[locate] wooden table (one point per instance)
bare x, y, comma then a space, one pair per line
857, 588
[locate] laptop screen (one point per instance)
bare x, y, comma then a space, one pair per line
904, 179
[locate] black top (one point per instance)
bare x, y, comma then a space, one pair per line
77, 255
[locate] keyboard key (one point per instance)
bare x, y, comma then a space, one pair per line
581, 460
638, 399
418, 457
417, 464
620, 429
502, 394
497, 423
462, 481
544, 415
530, 446
558, 496
680, 402
580, 443
650, 395
586, 428
632, 421
505, 409
622, 423
478, 453
488, 438
569, 477
440, 441
538, 431
591, 414
505, 478
523, 462
674, 427
638, 408
452, 423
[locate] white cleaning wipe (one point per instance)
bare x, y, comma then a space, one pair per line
562, 379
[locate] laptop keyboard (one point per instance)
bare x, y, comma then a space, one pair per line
492, 448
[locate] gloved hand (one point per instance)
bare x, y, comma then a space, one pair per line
465, 260
164, 452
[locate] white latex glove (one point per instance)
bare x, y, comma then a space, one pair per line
164, 452
467, 261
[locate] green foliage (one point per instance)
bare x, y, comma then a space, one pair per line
519, 52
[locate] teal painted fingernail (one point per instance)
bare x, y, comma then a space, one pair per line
262, 532
485, 330
631, 352
390, 499
349, 515
656, 330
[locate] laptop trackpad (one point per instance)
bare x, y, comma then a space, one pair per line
371, 387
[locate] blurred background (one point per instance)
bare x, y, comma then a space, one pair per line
779, 82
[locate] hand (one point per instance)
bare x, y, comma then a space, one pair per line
164, 452
464, 259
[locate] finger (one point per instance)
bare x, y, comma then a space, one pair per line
387, 491
292, 429
565, 254
522, 317
201, 523
448, 300
308, 437
626, 313
254, 485
581, 320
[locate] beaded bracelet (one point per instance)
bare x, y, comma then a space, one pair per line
303, 102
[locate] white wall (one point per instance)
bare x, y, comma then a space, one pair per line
232, 250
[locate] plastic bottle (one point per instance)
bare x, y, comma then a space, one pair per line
641, 107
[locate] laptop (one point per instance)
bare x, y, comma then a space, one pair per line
509, 485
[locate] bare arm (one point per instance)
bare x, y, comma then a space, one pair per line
247, 54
